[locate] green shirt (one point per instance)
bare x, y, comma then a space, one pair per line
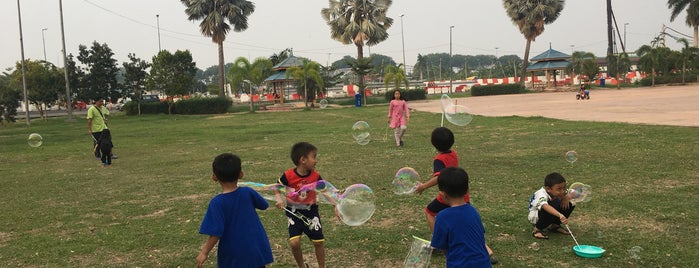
97, 120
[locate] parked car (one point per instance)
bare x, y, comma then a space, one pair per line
150, 98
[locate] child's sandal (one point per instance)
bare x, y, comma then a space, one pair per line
543, 236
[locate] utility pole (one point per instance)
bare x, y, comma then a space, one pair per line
450, 69
69, 105
24, 70
43, 40
157, 18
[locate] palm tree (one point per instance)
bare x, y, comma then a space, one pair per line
358, 22
577, 61
308, 72
530, 16
692, 7
420, 65
254, 74
686, 54
396, 75
649, 60
217, 17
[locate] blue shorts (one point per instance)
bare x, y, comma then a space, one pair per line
305, 221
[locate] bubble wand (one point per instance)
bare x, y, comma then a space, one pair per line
300, 216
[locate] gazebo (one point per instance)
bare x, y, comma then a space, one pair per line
278, 81
550, 60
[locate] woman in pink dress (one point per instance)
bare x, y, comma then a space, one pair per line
398, 116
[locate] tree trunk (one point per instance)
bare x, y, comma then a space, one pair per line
221, 77
360, 55
652, 77
684, 68
305, 93
523, 75
696, 35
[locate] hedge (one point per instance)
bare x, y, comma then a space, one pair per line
188, 106
408, 95
497, 89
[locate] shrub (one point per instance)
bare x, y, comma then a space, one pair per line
199, 105
131, 108
497, 89
408, 95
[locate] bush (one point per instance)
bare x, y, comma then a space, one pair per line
199, 105
670, 79
131, 108
497, 89
408, 95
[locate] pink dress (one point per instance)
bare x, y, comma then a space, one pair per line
398, 111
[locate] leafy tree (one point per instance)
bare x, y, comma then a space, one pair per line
100, 72
692, 7
380, 63
308, 71
135, 78
420, 66
75, 76
217, 17
396, 75
9, 100
172, 74
278, 58
361, 67
358, 22
530, 16
578, 61
255, 73
342, 63
44, 82
650, 58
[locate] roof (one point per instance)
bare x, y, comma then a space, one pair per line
288, 62
548, 65
278, 76
550, 54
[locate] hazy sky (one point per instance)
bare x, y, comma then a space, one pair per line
480, 26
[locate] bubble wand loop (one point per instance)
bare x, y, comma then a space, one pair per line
299, 216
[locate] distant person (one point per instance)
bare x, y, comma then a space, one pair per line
398, 116
300, 206
231, 220
550, 207
97, 117
458, 229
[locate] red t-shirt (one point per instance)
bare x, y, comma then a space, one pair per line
300, 194
445, 160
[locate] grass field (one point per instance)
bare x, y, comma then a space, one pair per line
61, 209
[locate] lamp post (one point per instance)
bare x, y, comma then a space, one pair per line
24, 77
625, 44
450, 71
157, 19
402, 37
43, 40
496, 63
69, 105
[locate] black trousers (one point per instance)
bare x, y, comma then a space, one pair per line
546, 219
95, 144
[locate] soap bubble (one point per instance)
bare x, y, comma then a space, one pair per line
356, 205
419, 255
579, 192
323, 103
571, 156
405, 181
458, 115
360, 132
35, 140
446, 101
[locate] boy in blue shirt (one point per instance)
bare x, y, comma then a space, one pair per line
458, 229
232, 222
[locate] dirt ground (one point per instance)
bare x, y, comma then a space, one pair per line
660, 105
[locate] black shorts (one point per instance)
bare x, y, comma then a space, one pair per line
435, 207
305, 221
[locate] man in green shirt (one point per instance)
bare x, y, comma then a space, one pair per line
96, 122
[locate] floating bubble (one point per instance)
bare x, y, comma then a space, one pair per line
458, 115
267, 191
405, 181
534, 246
635, 252
356, 205
323, 103
419, 255
446, 101
35, 140
571, 156
579, 192
360, 132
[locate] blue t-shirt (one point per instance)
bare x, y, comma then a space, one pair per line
232, 217
460, 232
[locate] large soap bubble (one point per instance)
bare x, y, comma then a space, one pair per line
267, 191
405, 181
356, 205
360, 132
419, 255
579, 192
35, 140
446, 102
571, 156
323, 103
458, 115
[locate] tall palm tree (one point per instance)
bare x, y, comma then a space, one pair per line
692, 7
217, 17
420, 65
358, 22
307, 72
577, 61
686, 54
649, 59
396, 75
530, 16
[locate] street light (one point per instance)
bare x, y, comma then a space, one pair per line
157, 18
43, 40
625, 44
69, 105
450, 71
24, 70
402, 37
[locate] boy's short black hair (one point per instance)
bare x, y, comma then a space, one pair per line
226, 167
301, 149
553, 179
453, 181
442, 139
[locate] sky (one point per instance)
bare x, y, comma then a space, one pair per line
480, 27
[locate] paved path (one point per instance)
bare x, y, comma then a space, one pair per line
661, 105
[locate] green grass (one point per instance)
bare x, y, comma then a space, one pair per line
60, 209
